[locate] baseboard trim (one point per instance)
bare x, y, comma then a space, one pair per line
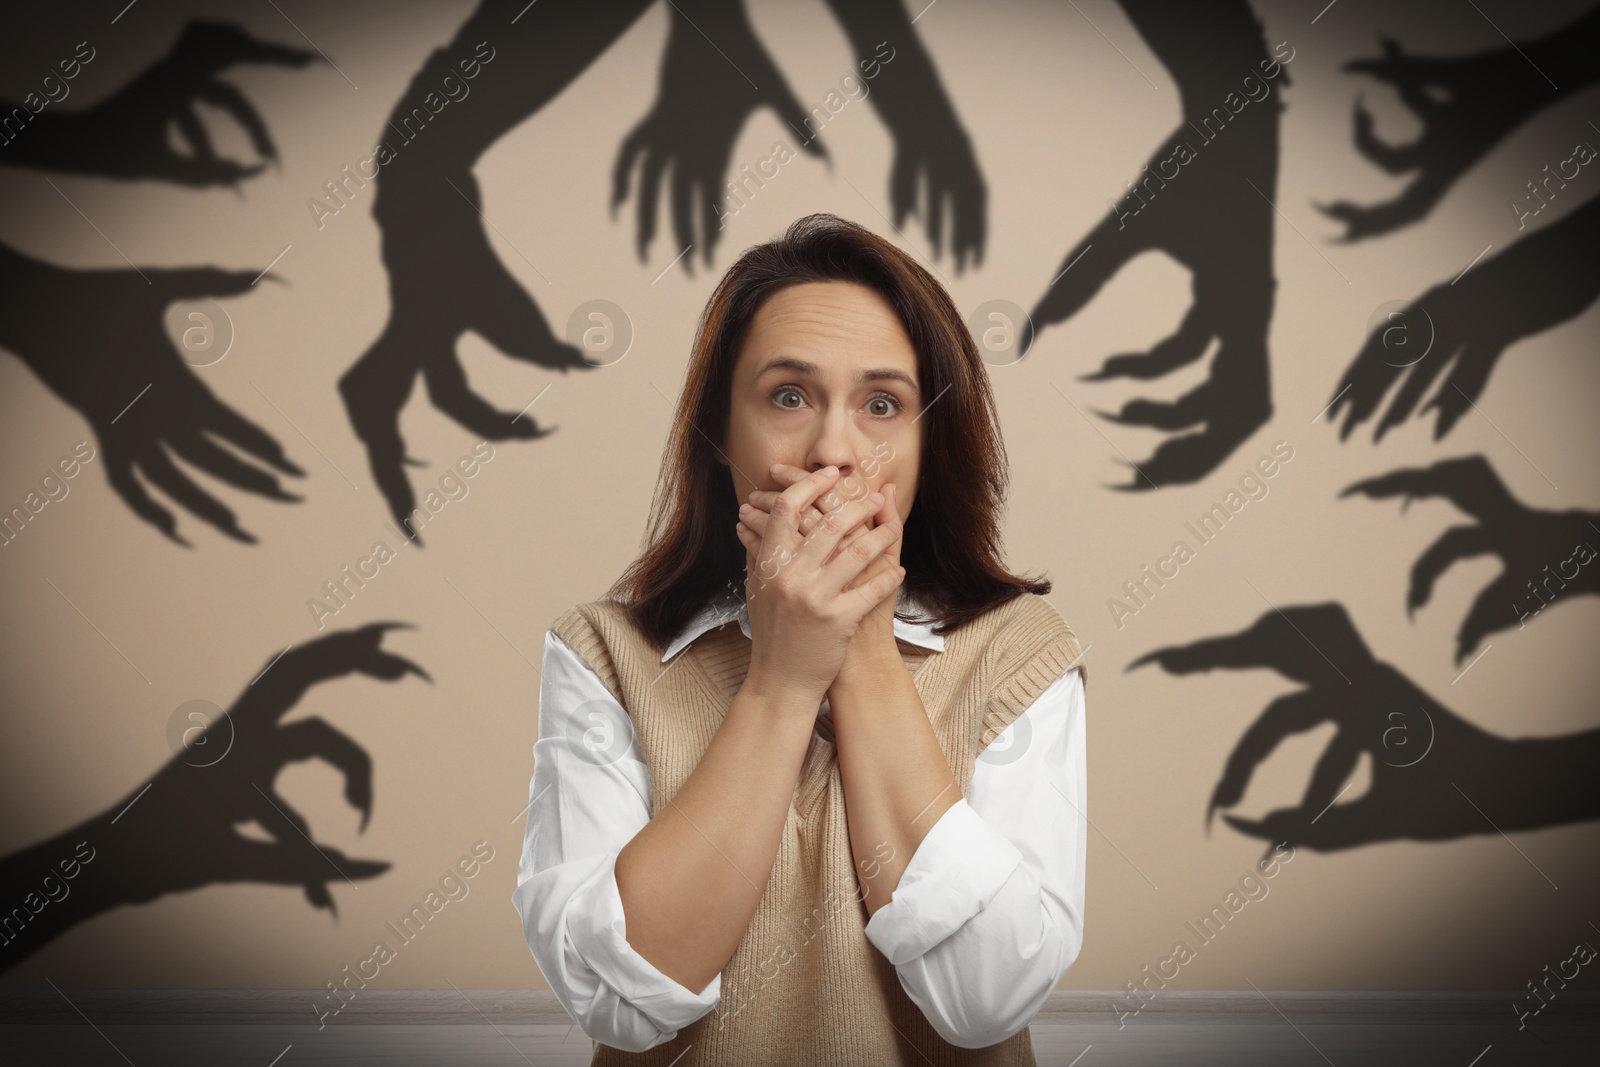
244, 1007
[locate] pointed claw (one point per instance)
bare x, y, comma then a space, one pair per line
1252, 827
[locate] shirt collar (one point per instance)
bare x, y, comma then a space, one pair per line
727, 607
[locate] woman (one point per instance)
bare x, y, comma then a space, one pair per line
848, 830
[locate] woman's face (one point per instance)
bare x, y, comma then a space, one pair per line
827, 376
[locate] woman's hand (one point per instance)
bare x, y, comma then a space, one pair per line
755, 512
874, 639
815, 588
873, 648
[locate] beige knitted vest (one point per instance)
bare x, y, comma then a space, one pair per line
805, 986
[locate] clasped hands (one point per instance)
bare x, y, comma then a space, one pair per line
823, 571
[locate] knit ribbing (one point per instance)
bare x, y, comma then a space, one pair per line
805, 986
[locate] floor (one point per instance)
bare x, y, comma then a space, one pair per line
497, 1028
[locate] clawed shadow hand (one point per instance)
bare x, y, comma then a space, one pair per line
932, 146
1530, 543
1229, 255
186, 823
126, 136
181, 830
97, 339
445, 281
701, 106
1466, 104
1435, 776
1205, 199
1464, 326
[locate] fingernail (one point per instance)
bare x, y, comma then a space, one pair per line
830, 469
876, 498
744, 508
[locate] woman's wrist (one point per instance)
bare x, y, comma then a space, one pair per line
870, 660
782, 695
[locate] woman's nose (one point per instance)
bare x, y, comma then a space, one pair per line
832, 448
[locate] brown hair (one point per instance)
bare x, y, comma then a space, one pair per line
951, 544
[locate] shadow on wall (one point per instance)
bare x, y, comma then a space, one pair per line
97, 337
1205, 197
444, 278
120, 370
1434, 775
180, 830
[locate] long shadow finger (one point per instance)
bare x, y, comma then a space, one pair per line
161, 472
189, 282
1085, 269
450, 393
1311, 643
317, 739
286, 676
1417, 379
1291, 714
1334, 767
1468, 482
680, 191
194, 131
655, 162
1456, 396
1457, 543
1187, 459
1183, 347
1495, 609
1389, 158
271, 811
218, 418
1342, 826
210, 47
631, 148
371, 659
119, 472
203, 453
1369, 377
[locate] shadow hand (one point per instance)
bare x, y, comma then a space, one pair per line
1464, 326
97, 339
702, 104
931, 146
1430, 768
1530, 543
183, 833
1228, 251
444, 281
1466, 105
127, 135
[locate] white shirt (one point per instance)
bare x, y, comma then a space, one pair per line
987, 916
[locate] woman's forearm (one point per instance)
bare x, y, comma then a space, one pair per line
690, 881
897, 782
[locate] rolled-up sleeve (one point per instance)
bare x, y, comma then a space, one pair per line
988, 914
588, 797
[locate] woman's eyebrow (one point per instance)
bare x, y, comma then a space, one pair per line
800, 366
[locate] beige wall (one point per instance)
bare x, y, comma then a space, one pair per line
1059, 119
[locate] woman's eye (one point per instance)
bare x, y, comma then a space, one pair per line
889, 405
783, 395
